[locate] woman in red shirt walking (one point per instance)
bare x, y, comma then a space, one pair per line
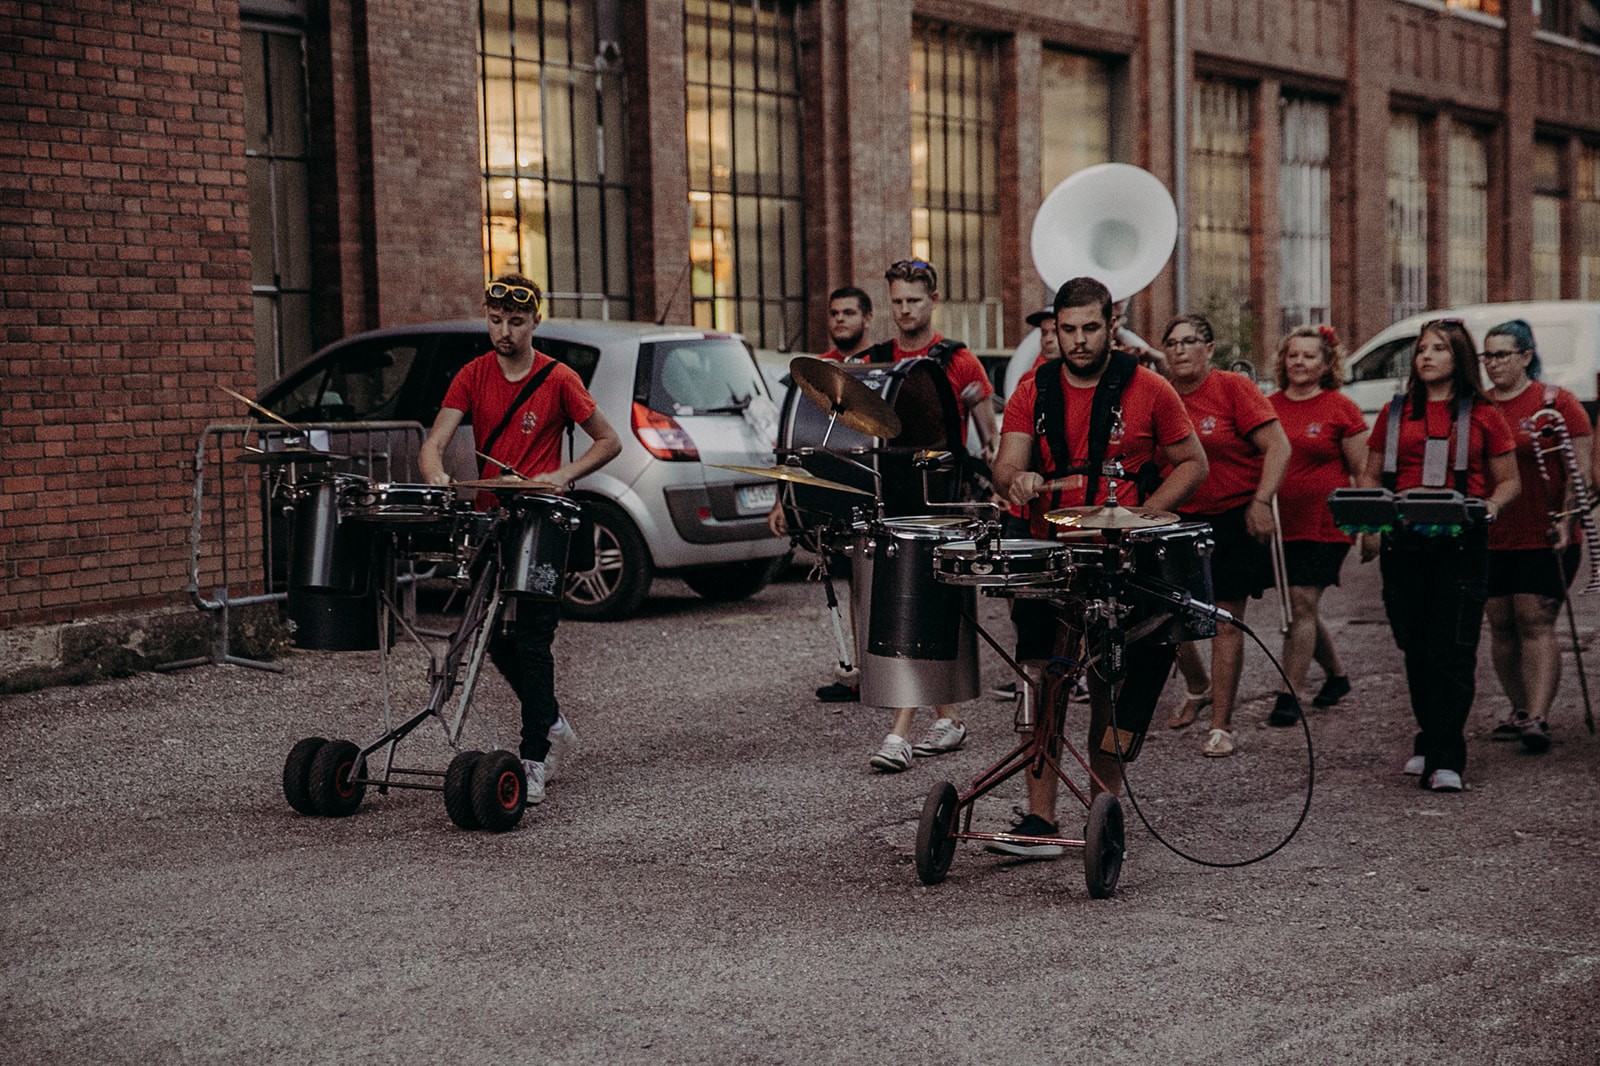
1328, 448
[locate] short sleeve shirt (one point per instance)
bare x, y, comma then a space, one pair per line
1225, 410
1153, 417
1525, 522
531, 442
1317, 428
962, 369
1488, 437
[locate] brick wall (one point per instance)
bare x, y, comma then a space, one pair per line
127, 295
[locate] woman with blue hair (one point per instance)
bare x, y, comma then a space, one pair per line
1531, 558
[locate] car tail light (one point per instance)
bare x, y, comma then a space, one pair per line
662, 436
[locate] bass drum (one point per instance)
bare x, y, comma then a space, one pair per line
919, 392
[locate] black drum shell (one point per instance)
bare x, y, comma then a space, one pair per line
535, 542
327, 553
1177, 555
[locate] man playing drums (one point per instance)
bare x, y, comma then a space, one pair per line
520, 401
1103, 405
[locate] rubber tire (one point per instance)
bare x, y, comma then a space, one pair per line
623, 571
331, 790
1103, 846
732, 581
297, 774
499, 791
936, 845
458, 789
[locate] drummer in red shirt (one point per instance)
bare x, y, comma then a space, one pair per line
526, 430
1248, 454
1529, 568
1434, 587
1327, 450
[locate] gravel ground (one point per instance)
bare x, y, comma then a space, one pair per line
720, 878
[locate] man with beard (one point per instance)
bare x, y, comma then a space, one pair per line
1093, 406
849, 315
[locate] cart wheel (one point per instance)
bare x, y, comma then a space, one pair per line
1102, 846
297, 774
332, 791
458, 789
935, 844
499, 791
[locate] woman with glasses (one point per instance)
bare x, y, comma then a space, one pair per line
1440, 433
1531, 560
1328, 448
1248, 454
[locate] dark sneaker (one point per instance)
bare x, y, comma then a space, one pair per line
1029, 825
1332, 691
1535, 735
839, 692
1509, 727
1286, 711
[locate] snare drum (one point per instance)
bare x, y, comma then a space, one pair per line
1178, 555
533, 558
918, 645
1009, 563
327, 555
399, 504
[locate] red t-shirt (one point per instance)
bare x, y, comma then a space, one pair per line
531, 443
1225, 410
1152, 418
1317, 428
833, 355
962, 369
1488, 437
1525, 522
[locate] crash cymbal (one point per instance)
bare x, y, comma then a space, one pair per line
831, 387
288, 455
794, 475
508, 482
1110, 518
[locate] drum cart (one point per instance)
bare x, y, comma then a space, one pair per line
517, 551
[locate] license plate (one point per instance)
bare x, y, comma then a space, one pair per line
755, 498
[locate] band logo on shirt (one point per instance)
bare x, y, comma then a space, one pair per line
1208, 425
529, 420
1314, 429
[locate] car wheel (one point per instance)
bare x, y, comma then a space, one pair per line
733, 581
620, 579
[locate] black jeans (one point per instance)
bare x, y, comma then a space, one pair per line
1434, 589
522, 654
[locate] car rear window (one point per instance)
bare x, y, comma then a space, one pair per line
698, 376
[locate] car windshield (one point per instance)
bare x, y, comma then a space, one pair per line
361, 385
701, 376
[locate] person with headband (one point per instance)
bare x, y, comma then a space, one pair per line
520, 402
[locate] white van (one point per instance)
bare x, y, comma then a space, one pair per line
1567, 333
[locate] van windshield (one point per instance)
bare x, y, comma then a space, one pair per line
1392, 359
701, 376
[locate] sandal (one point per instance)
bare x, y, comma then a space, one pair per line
1219, 744
1184, 716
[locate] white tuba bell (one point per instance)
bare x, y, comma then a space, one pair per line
1112, 222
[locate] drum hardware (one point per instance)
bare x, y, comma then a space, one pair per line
1280, 568
843, 397
1425, 512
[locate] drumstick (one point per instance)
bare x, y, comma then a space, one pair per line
503, 466
257, 407
1280, 567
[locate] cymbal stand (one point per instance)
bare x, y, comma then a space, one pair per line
877, 476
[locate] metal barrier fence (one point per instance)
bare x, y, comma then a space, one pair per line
238, 533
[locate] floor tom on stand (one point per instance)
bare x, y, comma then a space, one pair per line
327, 554
1178, 556
538, 534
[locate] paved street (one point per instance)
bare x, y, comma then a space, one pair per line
720, 878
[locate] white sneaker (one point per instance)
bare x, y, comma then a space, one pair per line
563, 745
534, 771
942, 736
893, 755
1415, 765
1445, 781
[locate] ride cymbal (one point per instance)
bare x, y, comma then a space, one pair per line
831, 387
509, 482
792, 474
1109, 518
288, 455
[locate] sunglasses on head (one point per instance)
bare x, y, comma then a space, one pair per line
914, 270
517, 294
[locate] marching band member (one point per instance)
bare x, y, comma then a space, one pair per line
1327, 450
1443, 433
1072, 402
1526, 580
520, 402
1248, 454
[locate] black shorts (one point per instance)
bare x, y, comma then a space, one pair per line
1532, 571
1241, 566
1313, 563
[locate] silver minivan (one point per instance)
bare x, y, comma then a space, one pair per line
1567, 332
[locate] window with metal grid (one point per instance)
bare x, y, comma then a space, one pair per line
1305, 243
955, 199
1219, 210
746, 194
1408, 218
1467, 252
1588, 198
1549, 192
555, 198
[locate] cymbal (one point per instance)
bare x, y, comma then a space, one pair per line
288, 455
509, 482
794, 475
831, 387
1109, 518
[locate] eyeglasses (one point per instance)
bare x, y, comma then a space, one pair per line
1184, 342
517, 294
1495, 357
913, 270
